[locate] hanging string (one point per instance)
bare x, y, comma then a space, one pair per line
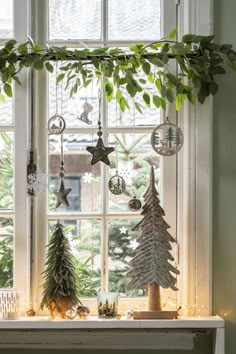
134, 124
92, 226
116, 145
62, 150
56, 87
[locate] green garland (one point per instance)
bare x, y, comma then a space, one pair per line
127, 74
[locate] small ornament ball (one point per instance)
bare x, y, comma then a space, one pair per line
83, 311
134, 204
31, 313
71, 313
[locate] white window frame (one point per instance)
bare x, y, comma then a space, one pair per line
21, 241
195, 179
194, 176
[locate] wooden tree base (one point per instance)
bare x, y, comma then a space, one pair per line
151, 315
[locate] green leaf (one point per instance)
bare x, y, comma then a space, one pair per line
217, 70
172, 78
131, 89
16, 78
158, 84
146, 98
191, 97
95, 62
142, 81
2, 98
179, 100
23, 49
108, 90
123, 104
37, 47
60, 77
170, 95
146, 67
172, 34
38, 64
213, 87
118, 95
8, 90
156, 101
49, 67
138, 107
163, 91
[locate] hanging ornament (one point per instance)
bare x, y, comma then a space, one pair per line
100, 152
87, 108
56, 125
167, 139
116, 184
62, 194
134, 204
36, 182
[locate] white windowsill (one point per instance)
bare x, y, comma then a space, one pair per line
95, 323
43, 333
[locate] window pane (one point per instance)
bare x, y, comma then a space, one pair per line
6, 170
74, 19
134, 20
6, 112
122, 243
80, 111
80, 175
148, 117
135, 156
6, 19
84, 238
6, 252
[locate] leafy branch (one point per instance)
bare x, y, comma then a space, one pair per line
127, 74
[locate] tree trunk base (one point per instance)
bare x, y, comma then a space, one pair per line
152, 315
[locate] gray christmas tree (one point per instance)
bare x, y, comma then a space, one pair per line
150, 266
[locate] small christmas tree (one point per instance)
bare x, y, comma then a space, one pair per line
60, 289
150, 266
170, 136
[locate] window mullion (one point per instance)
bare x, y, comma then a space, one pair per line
104, 171
104, 21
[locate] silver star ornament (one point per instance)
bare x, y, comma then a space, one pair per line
62, 194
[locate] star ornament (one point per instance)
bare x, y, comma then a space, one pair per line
100, 152
62, 194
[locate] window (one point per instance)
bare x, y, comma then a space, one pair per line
104, 241
98, 226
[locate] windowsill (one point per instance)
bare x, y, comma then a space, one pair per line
44, 322
94, 334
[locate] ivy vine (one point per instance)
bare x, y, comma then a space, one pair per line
127, 74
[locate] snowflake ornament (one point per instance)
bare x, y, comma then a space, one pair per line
126, 172
133, 244
87, 177
123, 230
37, 182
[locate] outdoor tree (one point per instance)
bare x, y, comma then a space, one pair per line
150, 266
60, 289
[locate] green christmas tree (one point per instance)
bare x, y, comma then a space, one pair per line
60, 289
150, 265
170, 136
